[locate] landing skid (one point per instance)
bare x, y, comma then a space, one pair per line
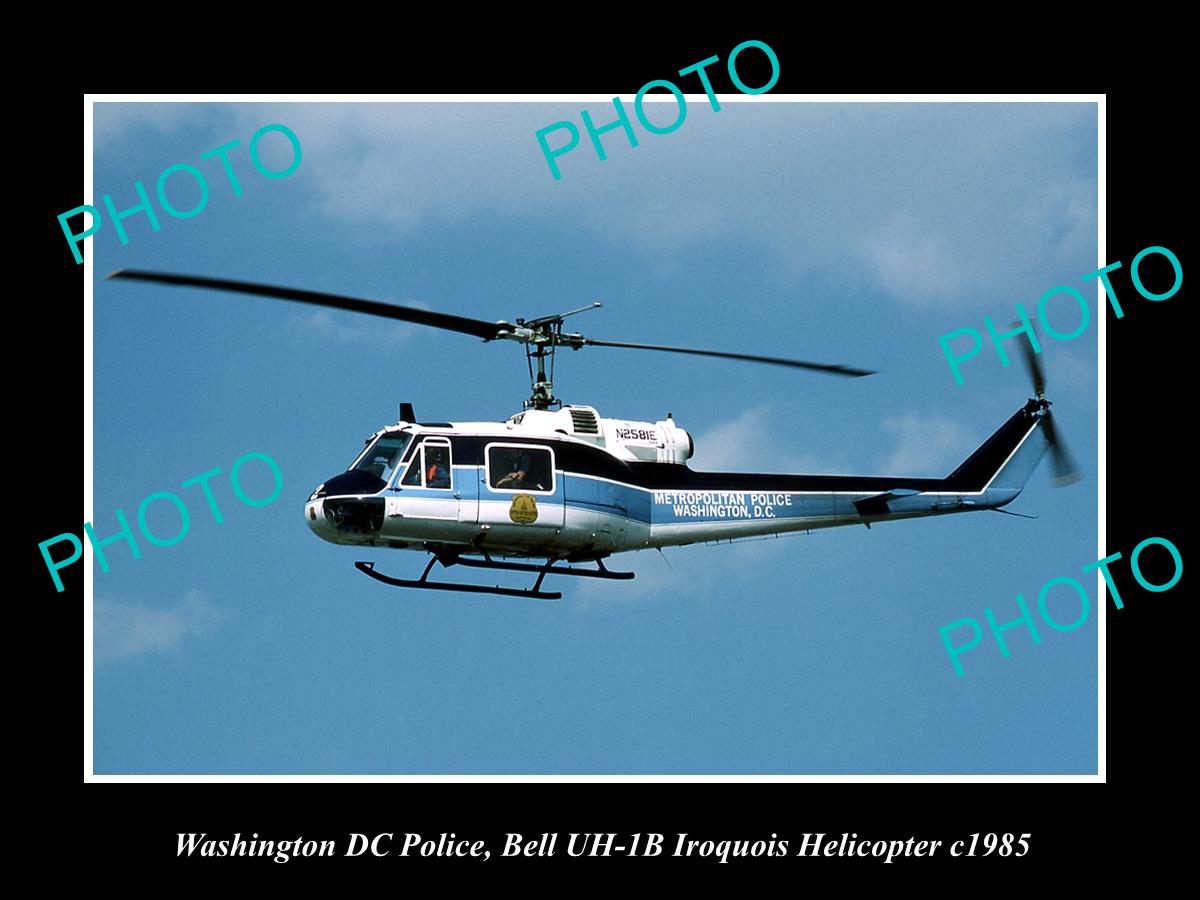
533, 593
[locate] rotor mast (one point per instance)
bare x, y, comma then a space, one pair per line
541, 338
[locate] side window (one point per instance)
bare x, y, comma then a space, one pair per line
430, 467
520, 469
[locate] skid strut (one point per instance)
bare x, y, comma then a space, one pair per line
533, 593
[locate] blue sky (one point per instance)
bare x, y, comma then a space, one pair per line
846, 233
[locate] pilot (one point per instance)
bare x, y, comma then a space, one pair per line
436, 475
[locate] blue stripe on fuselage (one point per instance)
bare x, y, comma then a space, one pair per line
653, 507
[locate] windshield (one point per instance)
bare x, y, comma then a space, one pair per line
384, 455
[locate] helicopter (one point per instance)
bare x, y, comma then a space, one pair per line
560, 483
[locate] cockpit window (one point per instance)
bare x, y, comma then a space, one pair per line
382, 457
413, 476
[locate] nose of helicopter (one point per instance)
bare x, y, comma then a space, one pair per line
346, 509
314, 516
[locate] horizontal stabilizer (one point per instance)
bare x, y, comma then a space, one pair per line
878, 503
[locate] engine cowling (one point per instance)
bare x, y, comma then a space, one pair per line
662, 441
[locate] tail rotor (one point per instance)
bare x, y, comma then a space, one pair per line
1065, 469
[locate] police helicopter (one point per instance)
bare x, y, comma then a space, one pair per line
563, 485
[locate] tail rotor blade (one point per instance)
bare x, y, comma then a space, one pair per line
1065, 470
1034, 364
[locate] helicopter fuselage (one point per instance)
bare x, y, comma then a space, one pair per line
569, 485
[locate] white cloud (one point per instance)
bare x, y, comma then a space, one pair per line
935, 205
724, 447
748, 443
926, 446
130, 629
323, 326
655, 578
690, 574
914, 256
115, 121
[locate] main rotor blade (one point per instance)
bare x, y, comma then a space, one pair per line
488, 331
746, 357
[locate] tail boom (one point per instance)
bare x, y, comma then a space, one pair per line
691, 507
